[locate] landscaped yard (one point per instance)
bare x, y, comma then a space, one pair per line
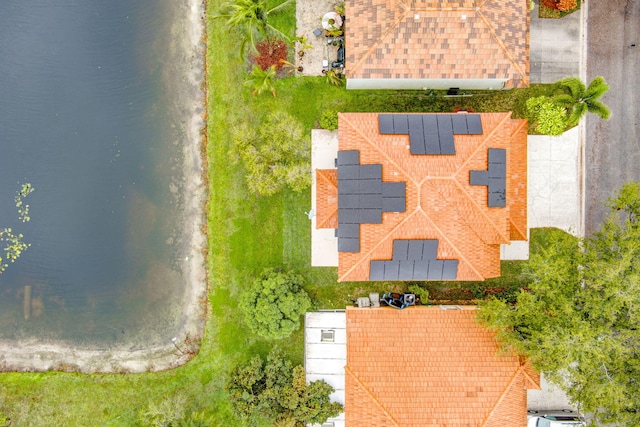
246, 234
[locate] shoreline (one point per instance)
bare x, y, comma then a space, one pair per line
35, 355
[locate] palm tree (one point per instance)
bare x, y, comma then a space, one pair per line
578, 99
261, 80
251, 17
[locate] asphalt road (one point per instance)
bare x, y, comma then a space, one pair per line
612, 146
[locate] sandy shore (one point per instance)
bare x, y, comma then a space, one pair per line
36, 355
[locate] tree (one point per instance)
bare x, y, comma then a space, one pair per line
275, 155
273, 306
579, 320
578, 98
261, 80
275, 391
549, 118
251, 17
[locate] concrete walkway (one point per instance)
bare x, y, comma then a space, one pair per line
554, 47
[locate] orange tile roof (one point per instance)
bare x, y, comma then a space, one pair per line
424, 366
327, 198
441, 203
407, 39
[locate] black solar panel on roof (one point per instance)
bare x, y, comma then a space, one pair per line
391, 270
400, 124
479, 177
394, 204
430, 249
361, 199
420, 270
497, 170
459, 124
415, 249
430, 133
497, 155
497, 200
376, 270
400, 249
435, 270
385, 121
348, 245
450, 269
348, 157
406, 270
394, 189
474, 124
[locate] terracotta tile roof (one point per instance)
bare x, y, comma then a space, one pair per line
327, 198
424, 366
440, 202
431, 39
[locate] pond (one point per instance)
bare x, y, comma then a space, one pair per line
101, 113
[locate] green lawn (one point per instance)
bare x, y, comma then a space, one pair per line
246, 234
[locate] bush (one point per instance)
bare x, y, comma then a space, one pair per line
271, 52
329, 120
273, 306
549, 118
565, 5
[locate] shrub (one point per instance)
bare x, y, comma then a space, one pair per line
273, 306
271, 52
549, 118
566, 5
329, 120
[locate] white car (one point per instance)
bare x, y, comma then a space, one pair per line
563, 418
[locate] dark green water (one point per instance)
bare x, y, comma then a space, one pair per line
95, 110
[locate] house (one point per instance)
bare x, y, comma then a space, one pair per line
427, 366
421, 196
436, 44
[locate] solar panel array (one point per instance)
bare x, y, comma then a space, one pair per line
495, 178
414, 260
362, 197
430, 133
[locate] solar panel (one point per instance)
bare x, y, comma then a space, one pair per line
370, 216
416, 141
446, 143
376, 270
406, 270
430, 124
394, 204
348, 245
450, 269
369, 186
400, 124
497, 200
348, 157
459, 124
348, 186
444, 123
348, 201
415, 249
420, 270
385, 121
497, 155
430, 249
432, 143
474, 124
435, 270
497, 170
478, 177
394, 189
370, 201
348, 216
391, 270
415, 122
349, 172
371, 171
400, 250
351, 231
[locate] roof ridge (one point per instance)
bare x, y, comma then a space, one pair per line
525, 372
503, 395
384, 35
501, 44
479, 208
348, 370
444, 237
507, 115
514, 227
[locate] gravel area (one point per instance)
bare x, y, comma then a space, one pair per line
309, 15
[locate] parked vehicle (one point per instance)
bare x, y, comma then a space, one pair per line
561, 418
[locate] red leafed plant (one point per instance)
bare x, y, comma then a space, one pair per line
564, 5
270, 52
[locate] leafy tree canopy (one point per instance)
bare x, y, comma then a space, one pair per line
273, 306
275, 155
578, 98
276, 391
579, 320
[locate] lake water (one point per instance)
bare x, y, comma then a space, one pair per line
99, 111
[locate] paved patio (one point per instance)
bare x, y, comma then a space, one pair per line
309, 15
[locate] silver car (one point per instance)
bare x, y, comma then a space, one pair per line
562, 418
